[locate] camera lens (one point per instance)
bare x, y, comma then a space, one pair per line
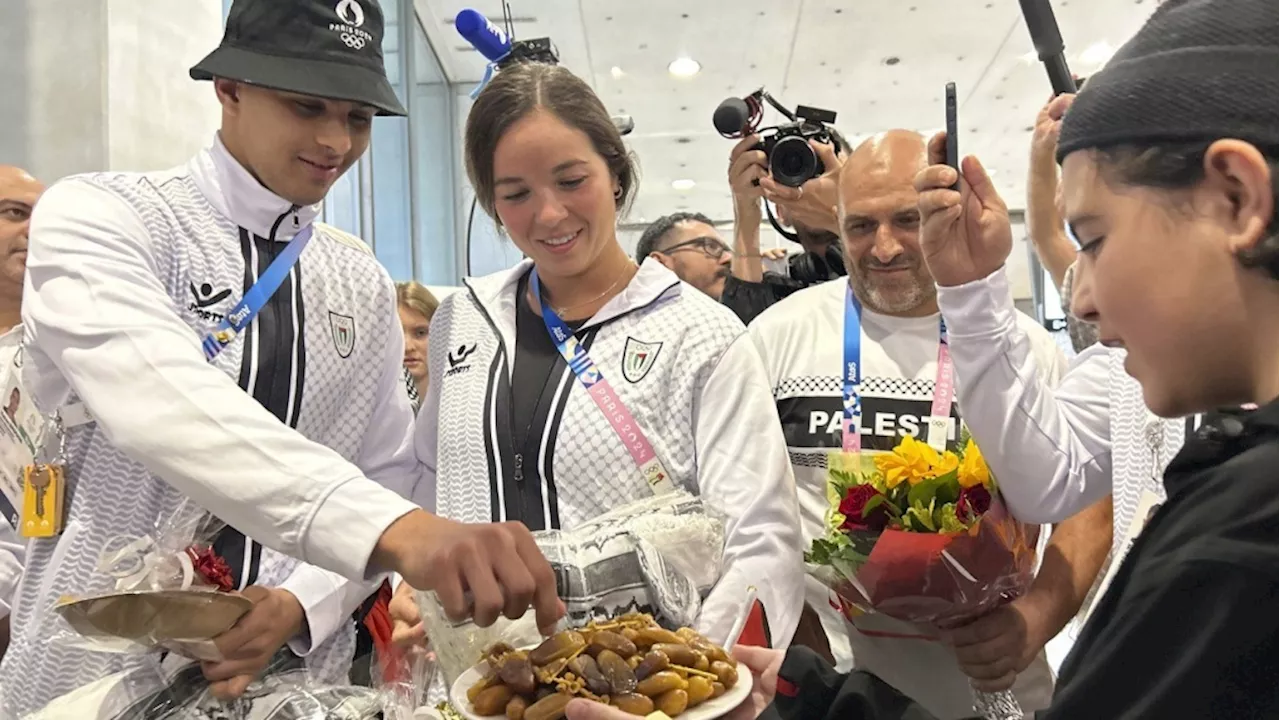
792, 161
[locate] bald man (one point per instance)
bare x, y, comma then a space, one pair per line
897, 330
18, 194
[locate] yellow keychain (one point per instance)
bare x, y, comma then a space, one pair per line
43, 489
44, 492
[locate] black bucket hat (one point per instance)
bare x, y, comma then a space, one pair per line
324, 48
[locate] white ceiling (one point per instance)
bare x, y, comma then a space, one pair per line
824, 53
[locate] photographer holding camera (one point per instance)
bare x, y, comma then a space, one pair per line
798, 158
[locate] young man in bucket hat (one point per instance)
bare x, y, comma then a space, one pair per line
281, 411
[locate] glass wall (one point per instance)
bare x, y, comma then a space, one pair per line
389, 157
399, 198
431, 138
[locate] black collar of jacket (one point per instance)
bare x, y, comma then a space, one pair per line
1223, 435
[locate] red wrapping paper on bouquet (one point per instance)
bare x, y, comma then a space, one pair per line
940, 578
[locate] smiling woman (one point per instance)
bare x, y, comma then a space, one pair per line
524, 364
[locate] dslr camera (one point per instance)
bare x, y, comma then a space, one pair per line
792, 162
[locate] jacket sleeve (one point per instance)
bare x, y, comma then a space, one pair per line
748, 299
810, 689
1016, 415
94, 305
744, 471
425, 427
386, 457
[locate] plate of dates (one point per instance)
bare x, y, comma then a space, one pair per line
630, 662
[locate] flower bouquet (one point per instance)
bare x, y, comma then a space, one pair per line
924, 537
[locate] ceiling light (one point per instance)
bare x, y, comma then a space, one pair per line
1097, 54
684, 67
616, 72
684, 184
1030, 57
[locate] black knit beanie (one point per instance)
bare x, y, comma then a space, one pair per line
1198, 70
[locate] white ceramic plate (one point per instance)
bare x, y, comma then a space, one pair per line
709, 710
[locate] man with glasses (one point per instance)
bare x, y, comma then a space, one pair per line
688, 244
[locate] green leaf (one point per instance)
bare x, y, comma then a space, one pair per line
844, 553
838, 484
948, 487
878, 500
898, 495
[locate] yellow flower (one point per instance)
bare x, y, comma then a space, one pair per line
973, 469
947, 462
910, 460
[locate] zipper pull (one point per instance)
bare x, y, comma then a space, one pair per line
295, 221
519, 467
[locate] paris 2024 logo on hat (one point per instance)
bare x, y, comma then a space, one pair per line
352, 17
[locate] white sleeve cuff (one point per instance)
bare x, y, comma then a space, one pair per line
981, 308
346, 526
327, 600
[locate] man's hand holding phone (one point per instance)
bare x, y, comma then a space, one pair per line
964, 233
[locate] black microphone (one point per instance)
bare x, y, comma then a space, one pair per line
732, 117
1048, 42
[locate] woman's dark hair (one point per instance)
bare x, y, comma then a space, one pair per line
1180, 166
517, 91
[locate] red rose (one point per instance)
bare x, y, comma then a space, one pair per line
851, 507
974, 502
211, 567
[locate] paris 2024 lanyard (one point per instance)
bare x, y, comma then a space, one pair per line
604, 396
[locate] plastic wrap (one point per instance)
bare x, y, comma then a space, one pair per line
658, 555
175, 689
403, 681
926, 538
169, 592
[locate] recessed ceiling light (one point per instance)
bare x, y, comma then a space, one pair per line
684, 67
616, 72
683, 184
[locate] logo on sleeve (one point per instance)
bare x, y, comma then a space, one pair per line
638, 358
343, 328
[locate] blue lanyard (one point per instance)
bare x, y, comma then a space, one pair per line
243, 313
853, 373
566, 342
851, 427
605, 397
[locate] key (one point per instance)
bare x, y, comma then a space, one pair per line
40, 483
